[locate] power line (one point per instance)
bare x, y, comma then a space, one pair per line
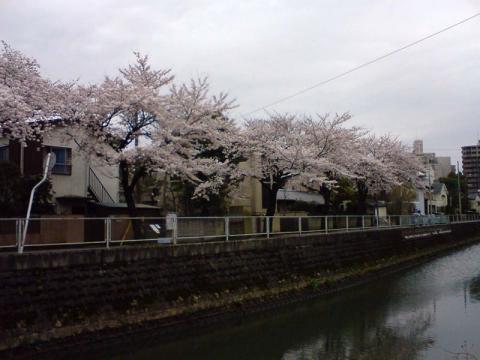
362, 65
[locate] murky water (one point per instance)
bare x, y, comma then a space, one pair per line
429, 312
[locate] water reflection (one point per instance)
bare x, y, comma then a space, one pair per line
430, 312
474, 289
400, 342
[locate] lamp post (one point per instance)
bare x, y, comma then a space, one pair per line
49, 164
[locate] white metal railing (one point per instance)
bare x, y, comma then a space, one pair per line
115, 231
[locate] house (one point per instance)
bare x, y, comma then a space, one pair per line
439, 200
289, 201
474, 200
430, 196
248, 199
78, 179
251, 199
423, 184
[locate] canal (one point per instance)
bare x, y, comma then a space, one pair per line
429, 312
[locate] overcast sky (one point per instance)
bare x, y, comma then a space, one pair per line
260, 51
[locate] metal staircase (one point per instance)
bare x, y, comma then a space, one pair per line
97, 189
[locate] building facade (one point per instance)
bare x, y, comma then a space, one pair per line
77, 179
471, 167
437, 166
439, 200
418, 147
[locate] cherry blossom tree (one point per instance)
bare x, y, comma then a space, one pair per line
372, 163
118, 117
313, 153
27, 100
384, 163
292, 151
144, 123
337, 144
207, 140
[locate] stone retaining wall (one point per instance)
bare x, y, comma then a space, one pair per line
47, 297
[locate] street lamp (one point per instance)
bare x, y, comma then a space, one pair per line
49, 164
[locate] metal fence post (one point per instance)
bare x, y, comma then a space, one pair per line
363, 222
174, 229
300, 225
108, 232
227, 228
18, 235
378, 221
267, 224
346, 222
326, 224
16, 232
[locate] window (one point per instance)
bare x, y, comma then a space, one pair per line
63, 160
4, 153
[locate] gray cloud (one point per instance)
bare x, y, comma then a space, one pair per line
260, 51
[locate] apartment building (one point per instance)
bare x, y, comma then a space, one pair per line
438, 166
471, 167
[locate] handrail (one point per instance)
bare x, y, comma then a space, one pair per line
184, 229
98, 189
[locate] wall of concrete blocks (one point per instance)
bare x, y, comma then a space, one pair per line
54, 289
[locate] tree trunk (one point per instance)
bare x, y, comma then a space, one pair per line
132, 212
272, 200
362, 192
129, 193
326, 193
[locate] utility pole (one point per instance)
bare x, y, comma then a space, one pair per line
459, 190
429, 193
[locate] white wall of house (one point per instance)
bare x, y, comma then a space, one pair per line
440, 200
76, 183
420, 201
248, 197
475, 204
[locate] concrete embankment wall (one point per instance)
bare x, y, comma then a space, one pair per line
53, 300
